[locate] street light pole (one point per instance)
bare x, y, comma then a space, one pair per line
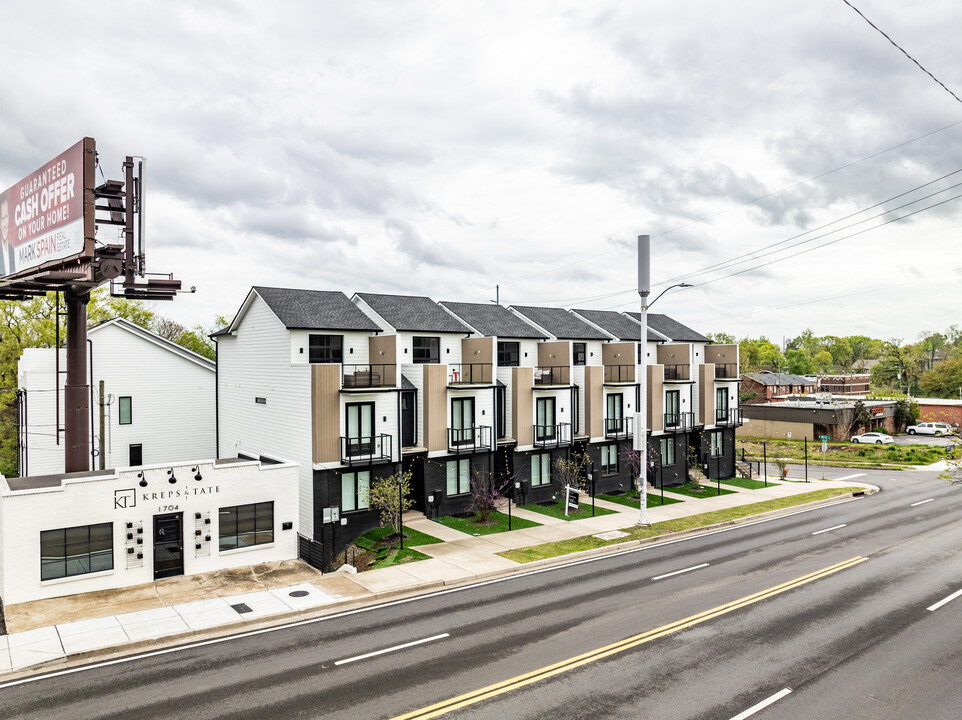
641, 413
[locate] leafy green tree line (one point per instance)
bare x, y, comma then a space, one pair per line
932, 366
33, 324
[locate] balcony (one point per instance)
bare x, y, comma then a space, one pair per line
677, 373
618, 428
726, 371
731, 417
361, 377
476, 438
552, 435
366, 450
552, 375
679, 422
470, 374
618, 374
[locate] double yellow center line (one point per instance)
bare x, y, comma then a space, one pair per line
520, 681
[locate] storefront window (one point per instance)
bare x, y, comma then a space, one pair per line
76, 551
246, 525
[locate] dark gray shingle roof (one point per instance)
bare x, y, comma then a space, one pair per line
315, 309
561, 323
413, 313
771, 378
618, 324
671, 328
493, 320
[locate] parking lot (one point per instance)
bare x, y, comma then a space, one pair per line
925, 440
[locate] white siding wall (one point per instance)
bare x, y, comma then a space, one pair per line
385, 416
529, 353
593, 352
256, 362
578, 378
415, 373
37, 376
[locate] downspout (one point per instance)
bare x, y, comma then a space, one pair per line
90, 353
216, 399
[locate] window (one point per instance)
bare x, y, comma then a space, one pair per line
76, 551
355, 491
325, 349
545, 419
462, 421
246, 525
426, 350
716, 443
667, 452
125, 416
616, 418
609, 459
721, 401
135, 454
672, 407
459, 476
579, 353
501, 426
360, 428
509, 354
541, 469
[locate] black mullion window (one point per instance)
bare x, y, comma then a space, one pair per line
79, 550
246, 525
426, 349
580, 353
325, 349
509, 354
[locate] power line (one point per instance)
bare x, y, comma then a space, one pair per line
902, 50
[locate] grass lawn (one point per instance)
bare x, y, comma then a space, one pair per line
471, 527
708, 490
558, 510
379, 548
745, 483
635, 532
631, 499
411, 536
845, 454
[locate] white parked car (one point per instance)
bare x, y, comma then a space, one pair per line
930, 428
873, 437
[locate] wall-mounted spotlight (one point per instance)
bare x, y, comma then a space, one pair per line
173, 478
143, 480
197, 476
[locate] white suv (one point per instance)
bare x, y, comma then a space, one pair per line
930, 428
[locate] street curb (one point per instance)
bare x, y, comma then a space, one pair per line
242, 626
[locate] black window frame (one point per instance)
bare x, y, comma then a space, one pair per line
426, 349
139, 460
666, 444
223, 539
130, 410
360, 444
549, 431
458, 465
541, 459
356, 494
509, 353
579, 353
611, 449
73, 539
325, 349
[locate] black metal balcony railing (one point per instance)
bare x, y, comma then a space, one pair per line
367, 376
470, 439
619, 373
729, 416
618, 427
726, 370
552, 435
552, 375
366, 449
677, 372
470, 374
679, 422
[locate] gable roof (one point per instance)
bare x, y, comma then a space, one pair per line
671, 328
413, 313
767, 377
493, 320
561, 323
618, 324
150, 336
314, 309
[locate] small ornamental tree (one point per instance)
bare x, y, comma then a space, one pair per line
572, 472
392, 496
633, 458
486, 495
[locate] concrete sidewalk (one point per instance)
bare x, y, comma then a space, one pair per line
87, 625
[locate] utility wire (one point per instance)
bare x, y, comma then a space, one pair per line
902, 50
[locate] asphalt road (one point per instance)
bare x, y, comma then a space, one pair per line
823, 612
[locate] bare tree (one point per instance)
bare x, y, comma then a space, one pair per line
572, 472
486, 494
392, 496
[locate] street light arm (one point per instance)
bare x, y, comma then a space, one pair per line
670, 287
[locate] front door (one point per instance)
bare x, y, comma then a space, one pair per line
168, 545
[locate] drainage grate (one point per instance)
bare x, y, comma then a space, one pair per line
242, 608
299, 593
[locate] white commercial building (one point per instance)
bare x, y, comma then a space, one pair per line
157, 401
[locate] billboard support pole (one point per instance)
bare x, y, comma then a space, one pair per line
76, 392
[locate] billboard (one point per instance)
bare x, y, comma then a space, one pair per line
42, 216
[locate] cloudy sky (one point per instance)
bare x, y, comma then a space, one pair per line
448, 148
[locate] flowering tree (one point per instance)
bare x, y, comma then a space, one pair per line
486, 494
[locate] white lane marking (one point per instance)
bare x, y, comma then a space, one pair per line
405, 601
365, 656
921, 502
679, 572
850, 477
834, 527
762, 705
943, 601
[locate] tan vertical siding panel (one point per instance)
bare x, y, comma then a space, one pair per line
326, 413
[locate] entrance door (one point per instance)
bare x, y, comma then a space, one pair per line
168, 545
408, 422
